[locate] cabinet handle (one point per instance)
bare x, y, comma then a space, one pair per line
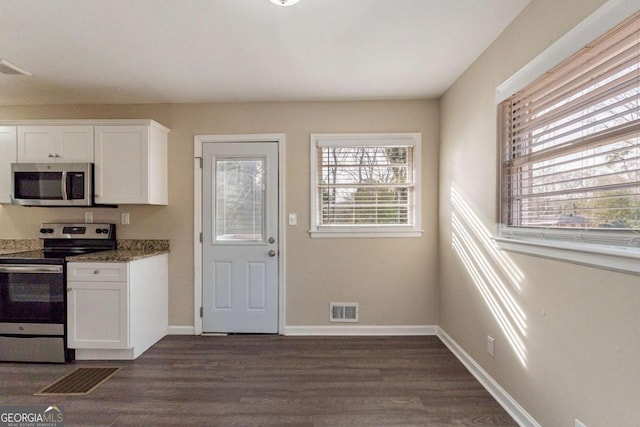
69, 289
56, 156
51, 156
96, 271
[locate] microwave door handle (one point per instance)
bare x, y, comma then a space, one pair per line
64, 185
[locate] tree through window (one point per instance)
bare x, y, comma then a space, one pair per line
365, 182
571, 142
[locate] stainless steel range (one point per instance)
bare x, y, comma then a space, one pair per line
33, 292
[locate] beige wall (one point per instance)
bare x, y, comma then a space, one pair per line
581, 334
394, 280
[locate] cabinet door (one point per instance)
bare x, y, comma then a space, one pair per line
98, 315
121, 164
36, 144
75, 144
62, 144
7, 156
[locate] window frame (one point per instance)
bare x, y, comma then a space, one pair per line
413, 139
600, 248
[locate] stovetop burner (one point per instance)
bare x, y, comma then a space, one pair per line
32, 257
64, 240
45, 256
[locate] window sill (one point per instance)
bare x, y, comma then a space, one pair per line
315, 234
621, 259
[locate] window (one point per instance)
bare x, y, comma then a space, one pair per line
239, 196
365, 185
570, 146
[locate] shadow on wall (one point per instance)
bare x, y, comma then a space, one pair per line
496, 277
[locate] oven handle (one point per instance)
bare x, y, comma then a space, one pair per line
40, 269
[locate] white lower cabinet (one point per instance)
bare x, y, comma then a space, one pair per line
98, 305
116, 310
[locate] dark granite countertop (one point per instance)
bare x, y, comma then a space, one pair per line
118, 255
10, 246
127, 250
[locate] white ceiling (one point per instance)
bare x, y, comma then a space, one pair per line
196, 51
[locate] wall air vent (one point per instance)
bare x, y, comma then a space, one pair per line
343, 312
8, 68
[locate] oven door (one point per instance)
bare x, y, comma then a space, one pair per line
32, 313
32, 300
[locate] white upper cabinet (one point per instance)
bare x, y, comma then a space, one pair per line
7, 156
59, 144
129, 156
131, 164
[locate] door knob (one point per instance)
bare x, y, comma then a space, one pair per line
271, 240
272, 253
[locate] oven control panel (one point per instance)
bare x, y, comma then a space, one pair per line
77, 231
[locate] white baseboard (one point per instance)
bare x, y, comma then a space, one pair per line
360, 330
106, 354
508, 403
335, 330
181, 330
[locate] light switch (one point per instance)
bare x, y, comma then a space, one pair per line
293, 219
124, 218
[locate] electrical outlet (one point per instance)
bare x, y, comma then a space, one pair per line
491, 346
88, 217
293, 219
124, 218
580, 424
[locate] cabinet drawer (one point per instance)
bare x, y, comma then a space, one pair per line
97, 272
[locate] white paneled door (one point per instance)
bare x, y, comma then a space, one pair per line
240, 232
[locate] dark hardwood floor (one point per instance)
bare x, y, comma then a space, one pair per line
248, 380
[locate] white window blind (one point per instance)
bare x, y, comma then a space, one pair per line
364, 183
239, 207
570, 146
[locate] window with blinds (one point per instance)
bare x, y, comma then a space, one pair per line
364, 183
570, 144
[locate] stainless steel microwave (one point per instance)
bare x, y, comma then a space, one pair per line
52, 184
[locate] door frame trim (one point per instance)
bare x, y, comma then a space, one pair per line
198, 142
